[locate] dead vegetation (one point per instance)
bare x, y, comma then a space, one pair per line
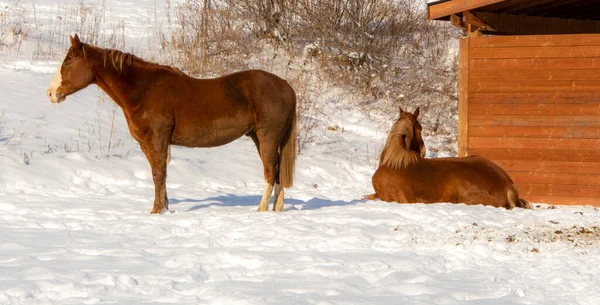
375, 54
575, 236
383, 53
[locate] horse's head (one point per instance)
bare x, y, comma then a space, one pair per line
73, 74
404, 143
410, 129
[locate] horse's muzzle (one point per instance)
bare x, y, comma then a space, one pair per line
54, 96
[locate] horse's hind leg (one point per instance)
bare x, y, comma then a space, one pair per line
370, 197
525, 204
264, 202
263, 206
269, 155
254, 137
514, 201
278, 198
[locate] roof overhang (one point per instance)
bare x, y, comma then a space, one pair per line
443, 9
519, 17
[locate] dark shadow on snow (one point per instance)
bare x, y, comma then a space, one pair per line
252, 201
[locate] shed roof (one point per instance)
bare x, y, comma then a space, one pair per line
520, 17
569, 9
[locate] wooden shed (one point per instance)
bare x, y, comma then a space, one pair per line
529, 92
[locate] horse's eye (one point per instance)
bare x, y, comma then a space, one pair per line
66, 63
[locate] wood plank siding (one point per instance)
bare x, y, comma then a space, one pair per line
531, 104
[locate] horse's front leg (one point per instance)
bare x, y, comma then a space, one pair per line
156, 152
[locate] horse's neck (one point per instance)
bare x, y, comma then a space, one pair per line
396, 157
118, 84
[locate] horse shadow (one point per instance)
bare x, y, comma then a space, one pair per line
231, 200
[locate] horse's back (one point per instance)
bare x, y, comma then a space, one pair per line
467, 168
271, 89
476, 180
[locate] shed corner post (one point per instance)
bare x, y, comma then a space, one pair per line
463, 97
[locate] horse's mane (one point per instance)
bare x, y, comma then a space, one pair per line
119, 59
396, 153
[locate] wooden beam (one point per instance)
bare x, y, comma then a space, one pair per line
529, 154
534, 98
537, 52
574, 179
532, 132
456, 21
540, 40
517, 109
566, 190
549, 167
463, 97
445, 9
534, 86
531, 143
476, 23
532, 120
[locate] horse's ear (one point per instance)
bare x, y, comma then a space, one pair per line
416, 113
400, 111
75, 42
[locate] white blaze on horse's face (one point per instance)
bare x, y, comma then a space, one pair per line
55, 83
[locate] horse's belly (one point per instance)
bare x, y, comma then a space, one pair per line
197, 137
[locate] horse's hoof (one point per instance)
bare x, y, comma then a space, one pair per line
160, 211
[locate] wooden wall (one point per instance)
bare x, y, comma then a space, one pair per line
531, 104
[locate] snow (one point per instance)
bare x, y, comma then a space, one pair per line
76, 229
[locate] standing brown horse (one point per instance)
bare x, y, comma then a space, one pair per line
163, 107
405, 176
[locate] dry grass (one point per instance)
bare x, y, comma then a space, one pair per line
383, 53
380, 53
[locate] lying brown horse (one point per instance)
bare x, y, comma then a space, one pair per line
163, 107
405, 176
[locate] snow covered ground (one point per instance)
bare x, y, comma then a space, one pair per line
75, 226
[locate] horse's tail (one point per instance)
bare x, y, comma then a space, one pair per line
514, 201
288, 155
